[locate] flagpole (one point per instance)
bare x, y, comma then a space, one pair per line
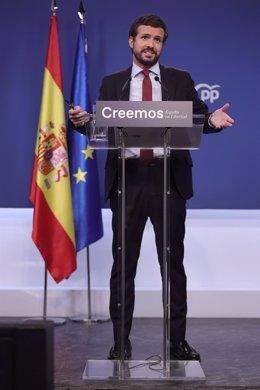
55, 320
45, 294
86, 318
54, 7
89, 287
89, 318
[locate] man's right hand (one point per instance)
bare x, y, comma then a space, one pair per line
78, 117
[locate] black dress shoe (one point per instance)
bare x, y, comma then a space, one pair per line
183, 351
114, 353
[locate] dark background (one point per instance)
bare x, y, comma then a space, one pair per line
216, 40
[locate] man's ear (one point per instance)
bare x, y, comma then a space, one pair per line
131, 42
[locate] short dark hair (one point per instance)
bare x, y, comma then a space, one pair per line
148, 20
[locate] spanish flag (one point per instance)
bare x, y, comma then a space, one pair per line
53, 229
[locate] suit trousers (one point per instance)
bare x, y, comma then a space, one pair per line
144, 199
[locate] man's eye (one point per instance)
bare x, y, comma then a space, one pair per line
158, 40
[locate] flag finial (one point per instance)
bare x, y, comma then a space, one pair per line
81, 12
54, 7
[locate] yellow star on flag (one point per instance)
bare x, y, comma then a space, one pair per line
80, 176
88, 152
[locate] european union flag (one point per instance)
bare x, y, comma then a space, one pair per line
83, 160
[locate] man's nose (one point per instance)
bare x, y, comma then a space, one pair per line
150, 43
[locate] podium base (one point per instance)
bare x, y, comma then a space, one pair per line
143, 370
86, 320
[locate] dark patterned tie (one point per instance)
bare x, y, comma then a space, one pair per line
146, 154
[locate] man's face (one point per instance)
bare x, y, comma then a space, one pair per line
147, 45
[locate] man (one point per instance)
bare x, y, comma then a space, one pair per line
144, 179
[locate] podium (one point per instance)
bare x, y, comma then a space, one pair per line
163, 126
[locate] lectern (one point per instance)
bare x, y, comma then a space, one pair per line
157, 125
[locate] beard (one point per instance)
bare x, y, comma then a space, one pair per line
146, 62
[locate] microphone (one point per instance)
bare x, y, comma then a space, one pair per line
156, 78
124, 87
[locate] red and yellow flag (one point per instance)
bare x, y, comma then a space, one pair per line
53, 229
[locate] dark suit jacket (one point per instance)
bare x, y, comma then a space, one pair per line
180, 87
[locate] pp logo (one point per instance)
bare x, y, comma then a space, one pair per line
208, 92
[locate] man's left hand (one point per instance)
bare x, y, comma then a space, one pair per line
220, 119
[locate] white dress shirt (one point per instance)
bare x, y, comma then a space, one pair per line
136, 92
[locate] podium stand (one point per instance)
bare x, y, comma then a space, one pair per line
185, 136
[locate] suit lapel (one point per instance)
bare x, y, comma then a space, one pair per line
168, 82
124, 76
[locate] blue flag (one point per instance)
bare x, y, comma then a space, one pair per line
83, 161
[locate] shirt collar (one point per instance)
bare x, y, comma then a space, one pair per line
136, 70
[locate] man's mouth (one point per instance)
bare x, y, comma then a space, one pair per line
148, 51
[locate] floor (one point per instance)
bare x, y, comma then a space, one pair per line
229, 348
